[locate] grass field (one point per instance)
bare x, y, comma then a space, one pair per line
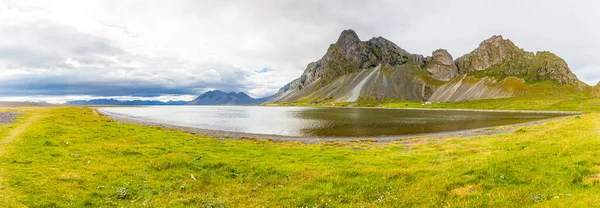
71, 157
539, 96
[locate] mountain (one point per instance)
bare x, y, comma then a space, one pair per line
128, 102
217, 97
500, 58
353, 70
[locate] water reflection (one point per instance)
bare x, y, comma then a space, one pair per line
323, 122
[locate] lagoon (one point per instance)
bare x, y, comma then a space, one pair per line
324, 121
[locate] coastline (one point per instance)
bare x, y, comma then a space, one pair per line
439, 109
312, 139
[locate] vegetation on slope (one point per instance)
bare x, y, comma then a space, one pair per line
70, 157
500, 58
495, 58
545, 95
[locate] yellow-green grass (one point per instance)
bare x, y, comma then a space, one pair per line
539, 96
70, 157
583, 104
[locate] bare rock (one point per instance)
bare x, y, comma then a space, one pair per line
441, 65
7, 117
500, 58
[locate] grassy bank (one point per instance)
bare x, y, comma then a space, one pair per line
71, 157
540, 96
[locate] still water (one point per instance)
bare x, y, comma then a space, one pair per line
323, 122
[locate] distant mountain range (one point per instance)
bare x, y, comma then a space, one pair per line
217, 97
214, 97
127, 102
352, 70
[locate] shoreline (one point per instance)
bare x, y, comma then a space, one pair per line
312, 139
348, 107
443, 109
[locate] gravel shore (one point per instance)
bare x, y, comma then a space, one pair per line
278, 138
9, 104
7, 117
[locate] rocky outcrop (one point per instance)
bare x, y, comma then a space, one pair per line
441, 65
548, 66
352, 70
491, 52
500, 58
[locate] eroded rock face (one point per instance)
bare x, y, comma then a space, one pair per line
471, 88
500, 58
441, 65
490, 52
548, 66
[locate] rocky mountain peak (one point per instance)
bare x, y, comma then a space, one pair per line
493, 51
497, 42
349, 54
500, 58
348, 37
494, 39
443, 56
441, 65
380, 69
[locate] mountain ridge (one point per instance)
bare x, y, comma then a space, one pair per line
124, 102
379, 69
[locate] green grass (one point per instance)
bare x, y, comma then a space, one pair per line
71, 158
546, 96
539, 96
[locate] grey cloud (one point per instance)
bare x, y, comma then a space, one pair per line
74, 85
227, 42
44, 44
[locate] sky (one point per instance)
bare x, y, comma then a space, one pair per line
174, 50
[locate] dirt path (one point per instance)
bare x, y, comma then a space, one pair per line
17, 132
7, 196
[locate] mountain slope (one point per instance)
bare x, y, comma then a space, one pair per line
378, 69
127, 102
217, 97
353, 69
471, 88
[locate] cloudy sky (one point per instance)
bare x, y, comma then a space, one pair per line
128, 49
